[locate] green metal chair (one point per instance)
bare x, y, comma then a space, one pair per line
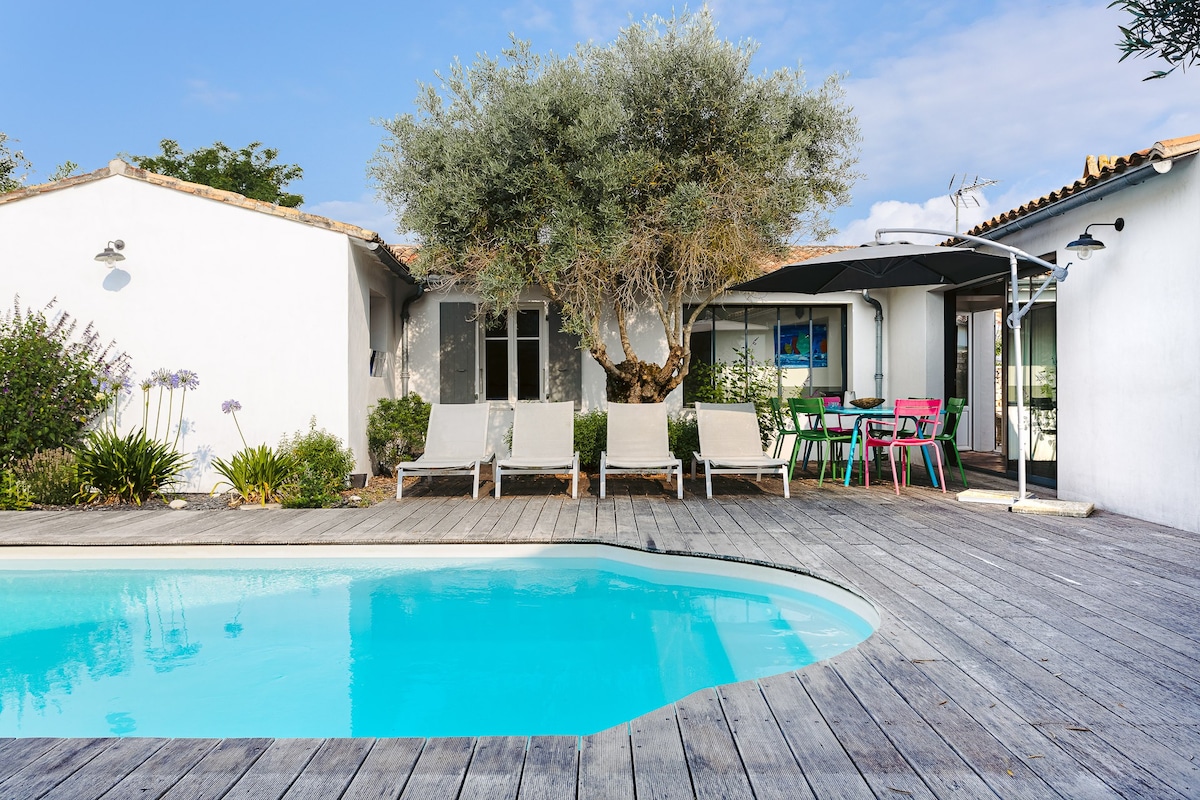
783, 426
945, 437
813, 408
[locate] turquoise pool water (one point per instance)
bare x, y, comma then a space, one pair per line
220, 647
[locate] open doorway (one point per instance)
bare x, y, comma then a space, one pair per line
982, 369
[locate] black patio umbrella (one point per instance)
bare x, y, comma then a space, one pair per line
880, 266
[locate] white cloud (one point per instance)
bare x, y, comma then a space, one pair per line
205, 94
936, 213
529, 16
366, 212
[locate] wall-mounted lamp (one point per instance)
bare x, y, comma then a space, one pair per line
110, 255
1085, 245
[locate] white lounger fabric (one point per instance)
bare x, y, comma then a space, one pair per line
455, 444
543, 442
730, 443
637, 443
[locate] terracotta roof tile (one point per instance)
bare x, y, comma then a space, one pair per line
801, 252
119, 167
406, 254
1097, 169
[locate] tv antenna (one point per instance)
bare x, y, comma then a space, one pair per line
963, 196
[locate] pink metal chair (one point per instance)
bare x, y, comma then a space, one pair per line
834, 401
891, 434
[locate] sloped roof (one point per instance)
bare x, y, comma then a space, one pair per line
119, 167
407, 253
1096, 170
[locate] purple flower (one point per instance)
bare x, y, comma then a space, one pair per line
147, 384
229, 406
187, 379
162, 377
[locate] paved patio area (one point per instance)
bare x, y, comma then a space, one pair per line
1019, 656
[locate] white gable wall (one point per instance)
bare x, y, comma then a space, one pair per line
256, 305
1128, 353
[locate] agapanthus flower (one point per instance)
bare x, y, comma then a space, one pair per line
162, 377
147, 384
187, 379
229, 406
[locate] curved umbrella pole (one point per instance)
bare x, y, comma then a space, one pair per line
1057, 273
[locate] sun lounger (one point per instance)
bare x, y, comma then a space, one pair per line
455, 444
730, 443
637, 444
543, 442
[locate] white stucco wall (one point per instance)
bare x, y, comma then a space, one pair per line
256, 305
914, 340
1127, 350
366, 278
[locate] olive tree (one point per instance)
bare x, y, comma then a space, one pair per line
647, 176
1165, 29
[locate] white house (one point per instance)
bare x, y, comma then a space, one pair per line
291, 314
1114, 368
296, 315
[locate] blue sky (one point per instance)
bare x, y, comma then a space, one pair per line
1017, 91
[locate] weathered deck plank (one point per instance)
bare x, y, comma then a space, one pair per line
220, 768
551, 768
606, 765
385, 771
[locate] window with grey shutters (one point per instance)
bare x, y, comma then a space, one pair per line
519, 356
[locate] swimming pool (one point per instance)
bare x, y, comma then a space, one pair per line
454, 640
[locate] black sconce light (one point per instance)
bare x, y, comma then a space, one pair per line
1085, 245
109, 255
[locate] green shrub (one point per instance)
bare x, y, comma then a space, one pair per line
323, 464
683, 436
258, 474
744, 379
131, 468
51, 475
396, 431
14, 493
591, 437
52, 383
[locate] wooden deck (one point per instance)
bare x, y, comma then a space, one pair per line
1018, 657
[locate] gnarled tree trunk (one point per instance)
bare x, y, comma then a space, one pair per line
637, 381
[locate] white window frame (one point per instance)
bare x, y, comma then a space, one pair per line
543, 310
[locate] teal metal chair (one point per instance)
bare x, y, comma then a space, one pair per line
813, 408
